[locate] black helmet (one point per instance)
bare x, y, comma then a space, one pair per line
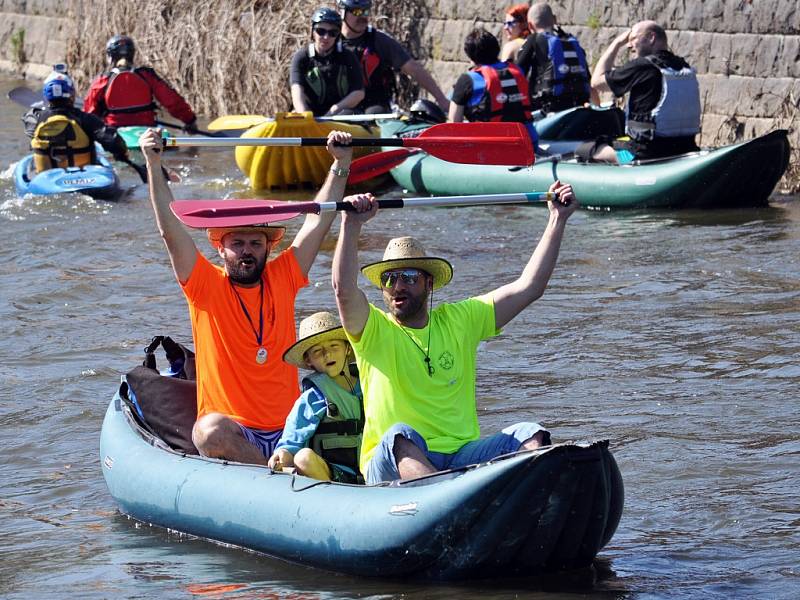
350, 4
326, 15
120, 46
425, 110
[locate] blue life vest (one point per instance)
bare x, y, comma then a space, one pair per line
678, 111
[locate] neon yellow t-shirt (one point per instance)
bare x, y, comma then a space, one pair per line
395, 380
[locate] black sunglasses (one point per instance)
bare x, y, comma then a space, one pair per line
325, 32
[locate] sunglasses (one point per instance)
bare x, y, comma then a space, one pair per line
325, 32
510, 24
359, 12
408, 276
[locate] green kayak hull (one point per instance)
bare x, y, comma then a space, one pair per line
739, 175
131, 134
524, 514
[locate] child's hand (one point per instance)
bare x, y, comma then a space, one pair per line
281, 458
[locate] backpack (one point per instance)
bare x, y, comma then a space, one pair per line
165, 403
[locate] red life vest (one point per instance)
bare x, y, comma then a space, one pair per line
128, 92
505, 95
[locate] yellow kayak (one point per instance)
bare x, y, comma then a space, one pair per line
271, 167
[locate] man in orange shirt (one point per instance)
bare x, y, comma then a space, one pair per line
243, 314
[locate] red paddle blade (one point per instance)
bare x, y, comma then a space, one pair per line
372, 165
477, 143
237, 213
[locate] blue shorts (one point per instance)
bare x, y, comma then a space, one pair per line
383, 467
262, 439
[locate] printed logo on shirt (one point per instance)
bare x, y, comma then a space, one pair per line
502, 98
446, 360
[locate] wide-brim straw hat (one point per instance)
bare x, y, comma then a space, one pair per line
408, 253
274, 233
319, 327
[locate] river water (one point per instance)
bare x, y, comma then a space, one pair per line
676, 335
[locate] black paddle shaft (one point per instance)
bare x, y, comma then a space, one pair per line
361, 142
387, 203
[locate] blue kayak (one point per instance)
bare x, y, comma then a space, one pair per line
527, 513
98, 181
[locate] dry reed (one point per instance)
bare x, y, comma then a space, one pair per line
225, 57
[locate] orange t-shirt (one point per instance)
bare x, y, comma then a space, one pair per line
229, 380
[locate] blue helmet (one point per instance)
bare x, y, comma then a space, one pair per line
120, 46
326, 15
58, 86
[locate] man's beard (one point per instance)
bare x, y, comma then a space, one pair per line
245, 274
412, 306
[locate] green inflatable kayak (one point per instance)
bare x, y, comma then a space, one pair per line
738, 175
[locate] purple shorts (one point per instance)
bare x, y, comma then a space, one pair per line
262, 439
383, 467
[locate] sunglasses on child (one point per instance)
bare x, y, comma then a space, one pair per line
325, 32
408, 276
359, 12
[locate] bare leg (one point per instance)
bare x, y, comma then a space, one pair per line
411, 460
309, 463
217, 436
537, 441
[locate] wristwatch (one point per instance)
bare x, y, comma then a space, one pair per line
340, 172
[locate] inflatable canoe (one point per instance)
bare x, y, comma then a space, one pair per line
98, 181
290, 168
738, 175
527, 513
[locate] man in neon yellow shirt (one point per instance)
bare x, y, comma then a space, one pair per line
417, 366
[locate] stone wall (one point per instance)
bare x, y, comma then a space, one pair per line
747, 52
33, 36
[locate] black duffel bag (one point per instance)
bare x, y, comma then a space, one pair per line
165, 402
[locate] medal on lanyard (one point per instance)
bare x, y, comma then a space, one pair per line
261, 354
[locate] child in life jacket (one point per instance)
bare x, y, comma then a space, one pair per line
127, 95
64, 136
322, 434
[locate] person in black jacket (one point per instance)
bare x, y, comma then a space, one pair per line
325, 77
64, 136
554, 62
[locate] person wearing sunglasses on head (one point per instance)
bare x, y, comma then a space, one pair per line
381, 57
417, 363
515, 30
554, 62
325, 77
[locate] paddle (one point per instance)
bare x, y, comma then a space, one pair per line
183, 128
466, 143
140, 169
373, 165
239, 213
233, 122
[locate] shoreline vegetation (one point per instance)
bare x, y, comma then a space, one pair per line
225, 57
233, 56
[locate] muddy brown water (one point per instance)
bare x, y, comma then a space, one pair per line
676, 335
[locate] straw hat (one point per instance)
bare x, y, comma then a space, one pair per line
406, 252
319, 327
274, 233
